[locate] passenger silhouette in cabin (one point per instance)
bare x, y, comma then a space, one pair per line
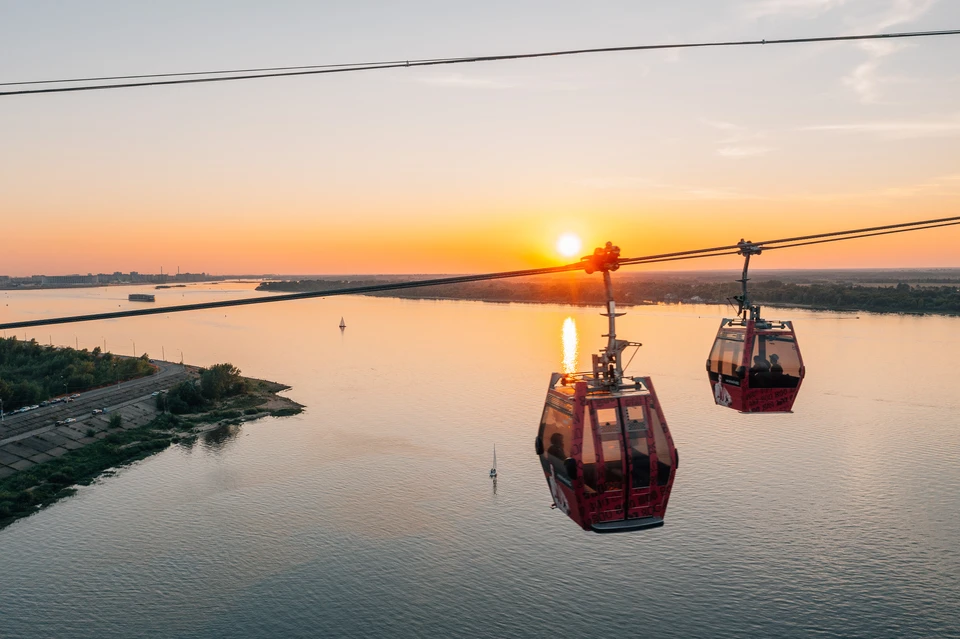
557, 455
556, 446
759, 372
775, 366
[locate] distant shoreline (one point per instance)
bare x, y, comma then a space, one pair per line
834, 296
47, 287
678, 303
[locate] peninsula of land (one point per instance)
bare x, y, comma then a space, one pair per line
46, 450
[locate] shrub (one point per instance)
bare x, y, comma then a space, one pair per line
184, 398
221, 380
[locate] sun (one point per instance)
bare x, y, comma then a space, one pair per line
569, 245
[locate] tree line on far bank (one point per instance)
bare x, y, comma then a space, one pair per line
31, 373
575, 289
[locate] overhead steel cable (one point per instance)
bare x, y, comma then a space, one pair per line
771, 244
354, 290
269, 72
143, 76
853, 237
835, 236
902, 225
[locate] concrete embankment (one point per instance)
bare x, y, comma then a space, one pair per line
33, 438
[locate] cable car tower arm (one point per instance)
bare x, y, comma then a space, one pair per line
608, 364
746, 309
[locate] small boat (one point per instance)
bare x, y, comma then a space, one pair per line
493, 470
342, 325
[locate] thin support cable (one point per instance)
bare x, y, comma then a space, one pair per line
853, 237
348, 68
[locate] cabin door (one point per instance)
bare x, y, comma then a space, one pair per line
612, 472
637, 437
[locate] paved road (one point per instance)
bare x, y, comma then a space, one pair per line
168, 375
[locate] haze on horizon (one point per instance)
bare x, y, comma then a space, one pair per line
476, 167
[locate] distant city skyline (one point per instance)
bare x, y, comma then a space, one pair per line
45, 279
481, 167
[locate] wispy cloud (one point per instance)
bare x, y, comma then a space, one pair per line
737, 141
612, 182
732, 133
466, 82
866, 79
710, 194
795, 8
901, 11
739, 152
945, 185
896, 129
657, 190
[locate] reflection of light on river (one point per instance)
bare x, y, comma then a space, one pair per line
571, 350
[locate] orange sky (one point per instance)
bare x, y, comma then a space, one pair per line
481, 168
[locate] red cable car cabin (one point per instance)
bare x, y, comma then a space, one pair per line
608, 455
755, 366
603, 442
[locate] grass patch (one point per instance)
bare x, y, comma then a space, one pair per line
245, 402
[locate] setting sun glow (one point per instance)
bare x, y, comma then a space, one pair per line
569, 245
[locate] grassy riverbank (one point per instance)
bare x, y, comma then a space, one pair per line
29, 490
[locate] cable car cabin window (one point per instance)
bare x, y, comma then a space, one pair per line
611, 440
776, 362
557, 440
639, 455
727, 353
664, 458
589, 455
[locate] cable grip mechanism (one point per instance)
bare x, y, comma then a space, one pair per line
745, 309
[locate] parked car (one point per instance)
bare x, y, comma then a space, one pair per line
69, 420
97, 411
75, 396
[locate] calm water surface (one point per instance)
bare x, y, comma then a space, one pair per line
371, 514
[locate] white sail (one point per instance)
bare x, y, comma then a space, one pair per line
342, 325
493, 470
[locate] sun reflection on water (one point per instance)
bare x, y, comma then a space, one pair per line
571, 346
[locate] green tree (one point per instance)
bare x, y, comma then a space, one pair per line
221, 380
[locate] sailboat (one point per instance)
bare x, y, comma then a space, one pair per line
493, 470
342, 325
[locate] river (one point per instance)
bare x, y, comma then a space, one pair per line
371, 514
